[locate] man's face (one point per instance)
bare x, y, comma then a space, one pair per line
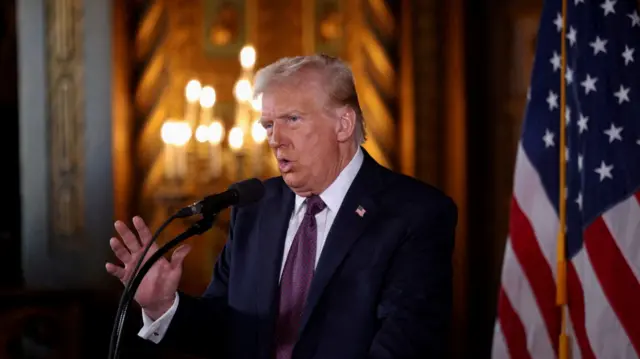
302, 134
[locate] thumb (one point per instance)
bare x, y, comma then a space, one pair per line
179, 254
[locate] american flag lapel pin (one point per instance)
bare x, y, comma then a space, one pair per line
360, 211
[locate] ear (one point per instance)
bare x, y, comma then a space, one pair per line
346, 124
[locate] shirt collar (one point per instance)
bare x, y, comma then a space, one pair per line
335, 193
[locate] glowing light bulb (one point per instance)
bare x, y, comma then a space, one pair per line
182, 133
236, 138
243, 90
247, 57
207, 97
258, 132
167, 132
216, 132
202, 133
192, 91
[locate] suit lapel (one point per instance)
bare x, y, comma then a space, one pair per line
272, 231
347, 227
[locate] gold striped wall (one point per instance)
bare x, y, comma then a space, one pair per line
369, 33
151, 79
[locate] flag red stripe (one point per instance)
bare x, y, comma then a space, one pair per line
536, 269
576, 311
512, 328
618, 282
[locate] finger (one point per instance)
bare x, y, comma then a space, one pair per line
178, 255
115, 271
120, 250
130, 239
143, 230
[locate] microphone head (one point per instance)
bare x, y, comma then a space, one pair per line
248, 191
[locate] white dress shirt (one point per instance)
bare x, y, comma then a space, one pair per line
332, 197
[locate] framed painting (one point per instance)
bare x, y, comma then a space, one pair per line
226, 27
323, 26
329, 29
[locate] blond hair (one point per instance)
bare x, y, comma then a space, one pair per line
336, 74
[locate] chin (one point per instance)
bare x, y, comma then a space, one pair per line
293, 180
289, 178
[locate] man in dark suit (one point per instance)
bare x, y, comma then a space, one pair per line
342, 258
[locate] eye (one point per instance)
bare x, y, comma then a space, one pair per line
293, 118
266, 125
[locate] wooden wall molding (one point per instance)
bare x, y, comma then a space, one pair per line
65, 81
66, 196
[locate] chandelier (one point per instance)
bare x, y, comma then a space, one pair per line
199, 147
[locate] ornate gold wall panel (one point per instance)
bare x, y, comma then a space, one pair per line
376, 76
406, 91
368, 49
66, 115
363, 32
150, 84
383, 17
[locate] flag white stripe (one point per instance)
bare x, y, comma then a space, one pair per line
623, 222
604, 331
535, 205
521, 297
499, 347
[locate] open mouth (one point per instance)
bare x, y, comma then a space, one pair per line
284, 165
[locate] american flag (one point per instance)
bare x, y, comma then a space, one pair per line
602, 122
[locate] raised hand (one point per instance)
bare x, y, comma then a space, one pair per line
156, 292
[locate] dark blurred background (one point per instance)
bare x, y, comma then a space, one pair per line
86, 87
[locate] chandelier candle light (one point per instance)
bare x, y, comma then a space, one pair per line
243, 89
209, 134
247, 114
259, 135
236, 141
208, 130
192, 93
216, 133
175, 135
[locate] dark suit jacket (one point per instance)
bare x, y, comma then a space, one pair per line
382, 287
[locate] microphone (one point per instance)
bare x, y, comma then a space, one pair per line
239, 194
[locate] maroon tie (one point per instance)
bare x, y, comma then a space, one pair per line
296, 279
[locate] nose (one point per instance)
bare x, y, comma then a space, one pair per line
275, 137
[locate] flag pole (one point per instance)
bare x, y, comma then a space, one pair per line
561, 285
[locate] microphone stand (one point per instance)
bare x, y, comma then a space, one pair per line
203, 225
117, 326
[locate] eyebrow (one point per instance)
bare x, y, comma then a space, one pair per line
284, 114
